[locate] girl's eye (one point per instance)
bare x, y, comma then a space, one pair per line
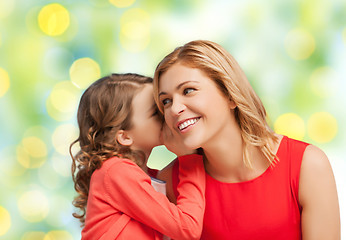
166, 101
188, 90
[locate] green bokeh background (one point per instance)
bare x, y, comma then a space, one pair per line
293, 52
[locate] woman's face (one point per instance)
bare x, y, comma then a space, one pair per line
193, 105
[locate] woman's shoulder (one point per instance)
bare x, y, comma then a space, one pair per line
315, 158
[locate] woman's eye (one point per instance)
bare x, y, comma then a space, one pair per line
188, 90
166, 101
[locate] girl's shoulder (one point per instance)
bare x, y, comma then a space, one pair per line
116, 166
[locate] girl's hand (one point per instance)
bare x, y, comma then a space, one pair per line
174, 143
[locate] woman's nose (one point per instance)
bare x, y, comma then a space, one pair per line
177, 107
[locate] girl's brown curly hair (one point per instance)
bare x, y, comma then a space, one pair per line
105, 107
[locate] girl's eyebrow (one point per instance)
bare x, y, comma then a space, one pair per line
179, 86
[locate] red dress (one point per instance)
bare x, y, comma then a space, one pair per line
265, 208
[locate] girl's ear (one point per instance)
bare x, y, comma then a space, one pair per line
124, 138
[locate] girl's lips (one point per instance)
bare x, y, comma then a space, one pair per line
186, 123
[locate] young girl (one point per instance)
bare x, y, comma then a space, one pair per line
260, 185
119, 126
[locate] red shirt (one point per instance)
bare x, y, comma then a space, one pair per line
121, 187
264, 208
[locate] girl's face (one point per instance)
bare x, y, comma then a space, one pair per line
193, 105
146, 129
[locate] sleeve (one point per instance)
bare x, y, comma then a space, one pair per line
129, 190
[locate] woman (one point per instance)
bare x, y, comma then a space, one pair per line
260, 185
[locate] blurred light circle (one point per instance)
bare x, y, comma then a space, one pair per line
4, 82
122, 3
5, 221
84, 71
26, 160
322, 127
61, 165
6, 8
135, 30
54, 19
63, 136
291, 125
63, 101
324, 82
33, 236
58, 235
33, 206
61, 98
35, 147
299, 44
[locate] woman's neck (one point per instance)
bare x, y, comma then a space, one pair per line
224, 158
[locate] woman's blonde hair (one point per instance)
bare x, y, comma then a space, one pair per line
223, 69
104, 109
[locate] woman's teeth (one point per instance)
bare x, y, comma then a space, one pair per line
187, 123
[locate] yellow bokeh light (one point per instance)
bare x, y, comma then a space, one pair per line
324, 81
322, 127
35, 147
4, 82
5, 221
135, 30
84, 71
122, 3
58, 235
344, 35
54, 19
33, 236
33, 206
63, 101
28, 161
291, 125
63, 136
299, 44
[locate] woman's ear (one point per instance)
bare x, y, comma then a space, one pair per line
124, 138
232, 104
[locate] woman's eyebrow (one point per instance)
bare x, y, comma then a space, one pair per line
179, 86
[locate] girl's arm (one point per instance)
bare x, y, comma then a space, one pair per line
129, 190
318, 197
166, 175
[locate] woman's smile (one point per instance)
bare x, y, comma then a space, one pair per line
186, 124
